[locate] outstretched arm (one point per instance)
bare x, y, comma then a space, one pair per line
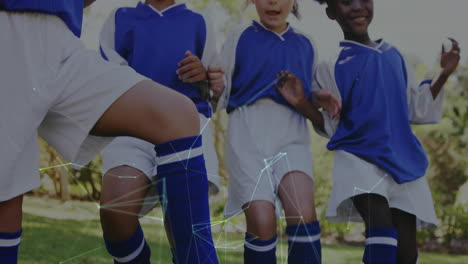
448, 61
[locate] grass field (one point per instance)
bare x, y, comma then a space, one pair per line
47, 241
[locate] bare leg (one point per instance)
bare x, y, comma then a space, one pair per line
261, 219
11, 215
374, 210
123, 191
151, 112
296, 192
405, 223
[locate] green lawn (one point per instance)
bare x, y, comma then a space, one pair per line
47, 241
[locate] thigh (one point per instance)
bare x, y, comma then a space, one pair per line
151, 112
296, 191
374, 209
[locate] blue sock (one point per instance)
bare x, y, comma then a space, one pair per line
381, 245
134, 250
259, 251
304, 243
416, 260
9, 243
183, 188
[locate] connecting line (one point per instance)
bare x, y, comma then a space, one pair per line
358, 190
70, 259
260, 92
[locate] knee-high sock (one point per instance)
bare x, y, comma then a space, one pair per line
259, 251
134, 250
304, 243
9, 243
183, 188
381, 245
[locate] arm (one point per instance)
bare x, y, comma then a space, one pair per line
425, 100
107, 43
225, 65
448, 62
290, 87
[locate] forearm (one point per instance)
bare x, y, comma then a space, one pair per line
308, 110
437, 85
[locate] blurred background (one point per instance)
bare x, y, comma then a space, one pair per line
64, 212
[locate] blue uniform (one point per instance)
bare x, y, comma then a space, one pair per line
70, 11
153, 43
260, 54
375, 124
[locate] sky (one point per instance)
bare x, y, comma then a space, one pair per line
417, 27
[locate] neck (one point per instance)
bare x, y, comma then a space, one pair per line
363, 39
278, 29
160, 4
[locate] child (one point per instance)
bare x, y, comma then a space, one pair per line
379, 166
54, 87
267, 148
163, 41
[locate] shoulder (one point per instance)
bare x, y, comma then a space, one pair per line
303, 36
238, 32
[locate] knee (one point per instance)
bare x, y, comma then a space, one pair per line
183, 118
261, 219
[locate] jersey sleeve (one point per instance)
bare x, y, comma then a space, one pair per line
228, 61
107, 41
422, 107
210, 52
324, 79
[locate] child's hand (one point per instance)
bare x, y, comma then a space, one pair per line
328, 102
215, 76
191, 69
290, 87
449, 59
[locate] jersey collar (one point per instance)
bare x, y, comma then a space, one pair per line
259, 26
349, 44
175, 8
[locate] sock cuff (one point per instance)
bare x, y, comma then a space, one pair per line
178, 145
260, 245
10, 239
128, 249
387, 236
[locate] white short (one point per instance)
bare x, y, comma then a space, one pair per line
353, 176
265, 141
53, 87
141, 155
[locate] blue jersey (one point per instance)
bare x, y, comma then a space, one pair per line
153, 43
375, 123
70, 11
255, 55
